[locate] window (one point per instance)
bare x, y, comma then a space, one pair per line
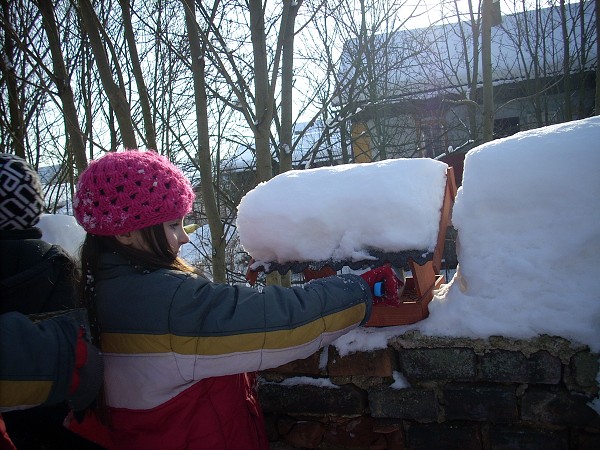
433, 140
506, 127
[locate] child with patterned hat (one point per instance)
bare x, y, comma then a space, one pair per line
21, 197
181, 351
36, 277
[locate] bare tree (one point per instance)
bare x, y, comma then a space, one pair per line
63, 84
252, 78
115, 91
554, 46
373, 81
287, 81
566, 62
597, 101
14, 129
197, 51
150, 135
486, 62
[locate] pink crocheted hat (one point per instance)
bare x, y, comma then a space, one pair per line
126, 191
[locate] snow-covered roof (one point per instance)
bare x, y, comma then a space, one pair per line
245, 157
49, 174
429, 60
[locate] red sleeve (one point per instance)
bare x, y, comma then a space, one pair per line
80, 359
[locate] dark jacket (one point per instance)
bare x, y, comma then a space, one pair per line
35, 276
37, 360
176, 348
36, 367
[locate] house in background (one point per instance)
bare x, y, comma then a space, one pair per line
313, 147
418, 93
56, 185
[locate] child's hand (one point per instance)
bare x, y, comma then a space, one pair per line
384, 283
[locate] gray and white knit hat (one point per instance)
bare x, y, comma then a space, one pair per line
21, 196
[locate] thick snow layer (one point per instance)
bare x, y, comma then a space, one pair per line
528, 221
341, 212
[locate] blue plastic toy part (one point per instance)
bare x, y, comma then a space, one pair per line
378, 289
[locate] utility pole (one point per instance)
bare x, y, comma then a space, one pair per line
490, 16
597, 103
486, 63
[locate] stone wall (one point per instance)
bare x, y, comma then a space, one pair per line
461, 394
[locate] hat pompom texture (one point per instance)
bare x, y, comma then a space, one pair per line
21, 195
130, 190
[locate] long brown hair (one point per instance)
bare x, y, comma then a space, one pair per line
159, 256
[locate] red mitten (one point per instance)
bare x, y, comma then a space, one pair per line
385, 284
87, 376
5, 441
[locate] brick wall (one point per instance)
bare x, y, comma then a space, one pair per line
461, 394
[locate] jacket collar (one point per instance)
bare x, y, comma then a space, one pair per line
112, 265
27, 233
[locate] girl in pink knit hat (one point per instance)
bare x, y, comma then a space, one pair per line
179, 350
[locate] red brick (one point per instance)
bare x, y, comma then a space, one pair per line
379, 363
305, 435
353, 433
395, 440
307, 366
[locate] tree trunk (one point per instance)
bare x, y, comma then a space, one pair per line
85, 88
472, 112
7, 64
139, 78
286, 147
486, 63
63, 84
566, 62
115, 93
536, 64
263, 102
208, 194
597, 103
287, 82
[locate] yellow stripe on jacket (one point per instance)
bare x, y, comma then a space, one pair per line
23, 394
130, 343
